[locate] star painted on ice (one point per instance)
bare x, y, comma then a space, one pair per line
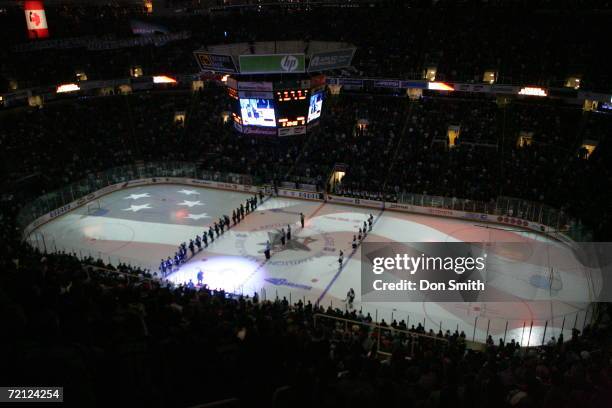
275, 241
137, 196
190, 203
136, 208
197, 216
188, 192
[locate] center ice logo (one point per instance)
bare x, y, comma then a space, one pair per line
289, 63
298, 250
296, 243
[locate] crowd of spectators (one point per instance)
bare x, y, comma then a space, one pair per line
525, 45
487, 161
366, 151
93, 328
64, 141
422, 161
390, 145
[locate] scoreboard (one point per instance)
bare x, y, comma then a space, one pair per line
292, 106
281, 109
292, 95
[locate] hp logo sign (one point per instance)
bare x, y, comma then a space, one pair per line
289, 63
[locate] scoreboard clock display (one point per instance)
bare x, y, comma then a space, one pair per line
285, 122
292, 95
292, 107
260, 109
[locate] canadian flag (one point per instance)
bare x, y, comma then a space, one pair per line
36, 19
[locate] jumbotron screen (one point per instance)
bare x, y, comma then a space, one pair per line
282, 112
316, 104
257, 112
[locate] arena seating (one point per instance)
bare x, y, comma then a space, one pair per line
98, 330
114, 336
402, 150
399, 44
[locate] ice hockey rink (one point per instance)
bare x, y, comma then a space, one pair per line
142, 225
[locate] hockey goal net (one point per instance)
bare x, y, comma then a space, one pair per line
93, 207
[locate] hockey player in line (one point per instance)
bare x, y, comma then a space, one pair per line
267, 250
350, 297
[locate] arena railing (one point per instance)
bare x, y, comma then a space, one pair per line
517, 208
384, 335
55, 200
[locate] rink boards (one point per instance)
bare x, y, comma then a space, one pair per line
307, 270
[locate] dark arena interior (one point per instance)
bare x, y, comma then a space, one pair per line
293, 203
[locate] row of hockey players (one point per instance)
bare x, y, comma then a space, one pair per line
169, 265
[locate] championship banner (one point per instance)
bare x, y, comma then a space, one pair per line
35, 19
331, 60
272, 64
215, 62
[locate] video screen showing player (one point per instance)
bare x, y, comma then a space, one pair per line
258, 112
316, 104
